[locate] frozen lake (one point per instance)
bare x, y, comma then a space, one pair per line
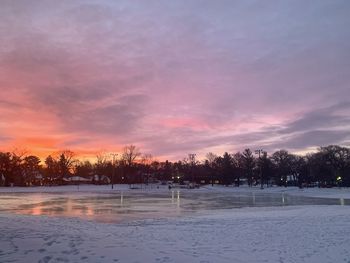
121, 206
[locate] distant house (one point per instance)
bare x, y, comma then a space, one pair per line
100, 179
35, 178
77, 180
149, 178
38, 179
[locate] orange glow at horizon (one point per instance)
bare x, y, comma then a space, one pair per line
51, 146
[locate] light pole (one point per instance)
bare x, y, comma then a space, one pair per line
260, 151
114, 155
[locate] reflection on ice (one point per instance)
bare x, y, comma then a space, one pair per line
120, 206
178, 198
177, 202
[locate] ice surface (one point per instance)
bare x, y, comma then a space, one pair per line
124, 204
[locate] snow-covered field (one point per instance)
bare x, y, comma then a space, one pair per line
308, 233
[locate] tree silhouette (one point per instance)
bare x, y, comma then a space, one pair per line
210, 162
65, 164
248, 162
328, 166
129, 156
31, 167
282, 162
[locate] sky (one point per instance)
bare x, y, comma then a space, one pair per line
174, 77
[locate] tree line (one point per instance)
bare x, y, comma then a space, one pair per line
328, 166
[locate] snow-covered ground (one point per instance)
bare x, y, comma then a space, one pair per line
310, 233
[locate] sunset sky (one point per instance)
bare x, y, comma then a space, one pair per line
174, 77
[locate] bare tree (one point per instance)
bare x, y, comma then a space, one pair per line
21, 152
66, 161
146, 159
211, 157
101, 165
130, 154
101, 157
